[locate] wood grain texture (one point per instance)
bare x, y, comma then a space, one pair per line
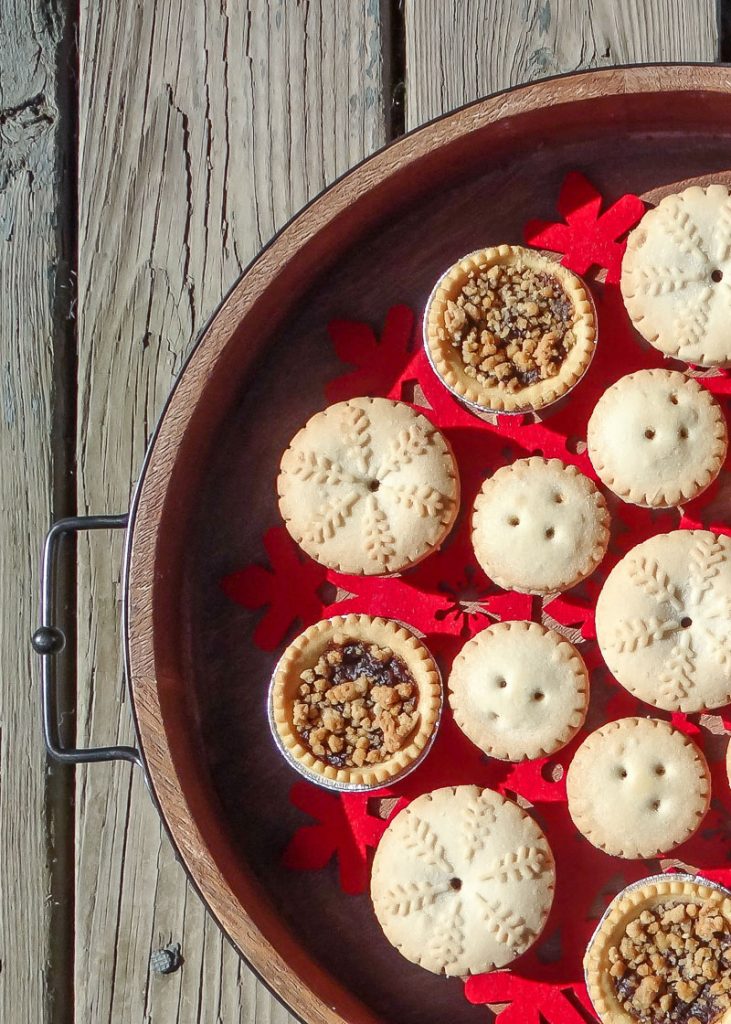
31, 193
186, 651
456, 53
203, 128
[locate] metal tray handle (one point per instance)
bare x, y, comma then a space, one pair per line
49, 640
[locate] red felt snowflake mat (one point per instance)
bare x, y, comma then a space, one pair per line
448, 599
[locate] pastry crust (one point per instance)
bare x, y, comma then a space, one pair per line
519, 690
447, 361
304, 652
539, 526
624, 909
657, 438
368, 487
662, 620
676, 275
462, 881
638, 787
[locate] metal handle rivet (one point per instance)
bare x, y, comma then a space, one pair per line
48, 640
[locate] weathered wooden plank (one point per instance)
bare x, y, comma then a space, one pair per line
458, 52
35, 303
203, 127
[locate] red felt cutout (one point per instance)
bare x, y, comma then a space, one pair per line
587, 238
344, 828
288, 589
529, 1002
376, 362
448, 598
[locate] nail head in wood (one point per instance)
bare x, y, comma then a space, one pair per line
166, 960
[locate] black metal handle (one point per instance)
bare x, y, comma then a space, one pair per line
49, 640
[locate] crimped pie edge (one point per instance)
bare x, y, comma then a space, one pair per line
304, 651
571, 657
594, 557
476, 791
622, 723
668, 499
635, 305
447, 363
447, 520
603, 602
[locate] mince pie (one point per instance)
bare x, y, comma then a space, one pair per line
355, 700
509, 329
662, 955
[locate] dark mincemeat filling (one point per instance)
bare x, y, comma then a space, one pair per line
358, 662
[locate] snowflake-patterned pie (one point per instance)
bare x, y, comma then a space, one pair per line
462, 881
663, 620
368, 487
676, 276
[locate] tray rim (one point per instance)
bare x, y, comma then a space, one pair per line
148, 499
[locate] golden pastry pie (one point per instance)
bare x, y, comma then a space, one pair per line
462, 881
368, 487
539, 526
657, 438
509, 329
676, 275
355, 700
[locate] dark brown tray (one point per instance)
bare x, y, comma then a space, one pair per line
379, 236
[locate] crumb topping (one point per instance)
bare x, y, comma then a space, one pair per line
673, 964
357, 706
511, 325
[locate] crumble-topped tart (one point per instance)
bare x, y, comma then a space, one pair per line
509, 329
663, 954
355, 699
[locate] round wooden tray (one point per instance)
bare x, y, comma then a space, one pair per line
379, 236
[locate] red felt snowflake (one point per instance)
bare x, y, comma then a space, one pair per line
530, 1002
288, 588
587, 238
378, 364
345, 828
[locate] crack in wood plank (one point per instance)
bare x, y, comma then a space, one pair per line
202, 129
36, 349
457, 53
